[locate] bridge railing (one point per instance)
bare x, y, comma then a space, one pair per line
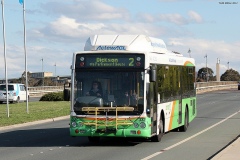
201, 87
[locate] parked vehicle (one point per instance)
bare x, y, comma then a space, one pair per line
238, 85
16, 93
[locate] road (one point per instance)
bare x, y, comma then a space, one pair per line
31, 99
216, 125
34, 99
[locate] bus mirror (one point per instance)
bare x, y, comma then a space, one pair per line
153, 74
148, 111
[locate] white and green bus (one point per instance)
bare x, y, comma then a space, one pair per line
143, 90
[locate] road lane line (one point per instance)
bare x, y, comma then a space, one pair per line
151, 156
189, 138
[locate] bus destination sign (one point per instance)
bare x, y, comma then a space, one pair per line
114, 61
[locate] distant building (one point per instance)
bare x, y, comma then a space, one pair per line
41, 74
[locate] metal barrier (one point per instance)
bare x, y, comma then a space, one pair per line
201, 87
40, 91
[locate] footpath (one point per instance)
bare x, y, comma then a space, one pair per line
231, 152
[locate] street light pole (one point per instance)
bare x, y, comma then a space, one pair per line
189, 52
55, 73
218, 70
5, 56
206, 68
228, 65
25, 51
55, 69
42, 72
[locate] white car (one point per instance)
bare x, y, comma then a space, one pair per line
16, 92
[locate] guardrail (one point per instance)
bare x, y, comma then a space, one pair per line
215, 88
40, 91
201, 87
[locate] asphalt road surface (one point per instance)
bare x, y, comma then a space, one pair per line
31, 99
216, 125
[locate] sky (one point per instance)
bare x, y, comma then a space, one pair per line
57, 28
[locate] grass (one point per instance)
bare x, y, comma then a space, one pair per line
37, 111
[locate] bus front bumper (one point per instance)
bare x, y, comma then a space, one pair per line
107, 132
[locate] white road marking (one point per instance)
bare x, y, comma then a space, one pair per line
189, 138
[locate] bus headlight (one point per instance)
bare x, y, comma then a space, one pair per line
74, 124
135, 125
80, 124
142, 124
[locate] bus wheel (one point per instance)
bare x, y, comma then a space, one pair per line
93, 139
186, 123
158, 137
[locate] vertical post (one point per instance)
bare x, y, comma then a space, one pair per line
189, 52
206, 68
25, 51
42, 73
55, 69
55, 73
218, 70
5, 56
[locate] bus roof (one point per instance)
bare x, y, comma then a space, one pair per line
141, 43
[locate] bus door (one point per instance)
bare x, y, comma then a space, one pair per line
180, 95
152, 105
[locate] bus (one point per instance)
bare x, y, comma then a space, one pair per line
143, 89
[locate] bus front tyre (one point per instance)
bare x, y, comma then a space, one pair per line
158, 137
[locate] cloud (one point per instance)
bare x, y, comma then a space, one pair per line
94, 11
195, 17
86, 10
16, 60
225, 51
65, 26
69, 27
66, 29
175, 18
170, 18
145, 17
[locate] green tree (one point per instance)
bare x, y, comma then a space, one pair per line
230, 75
205, 74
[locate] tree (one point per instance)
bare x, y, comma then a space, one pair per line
230, 75
31, 81
205, 74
